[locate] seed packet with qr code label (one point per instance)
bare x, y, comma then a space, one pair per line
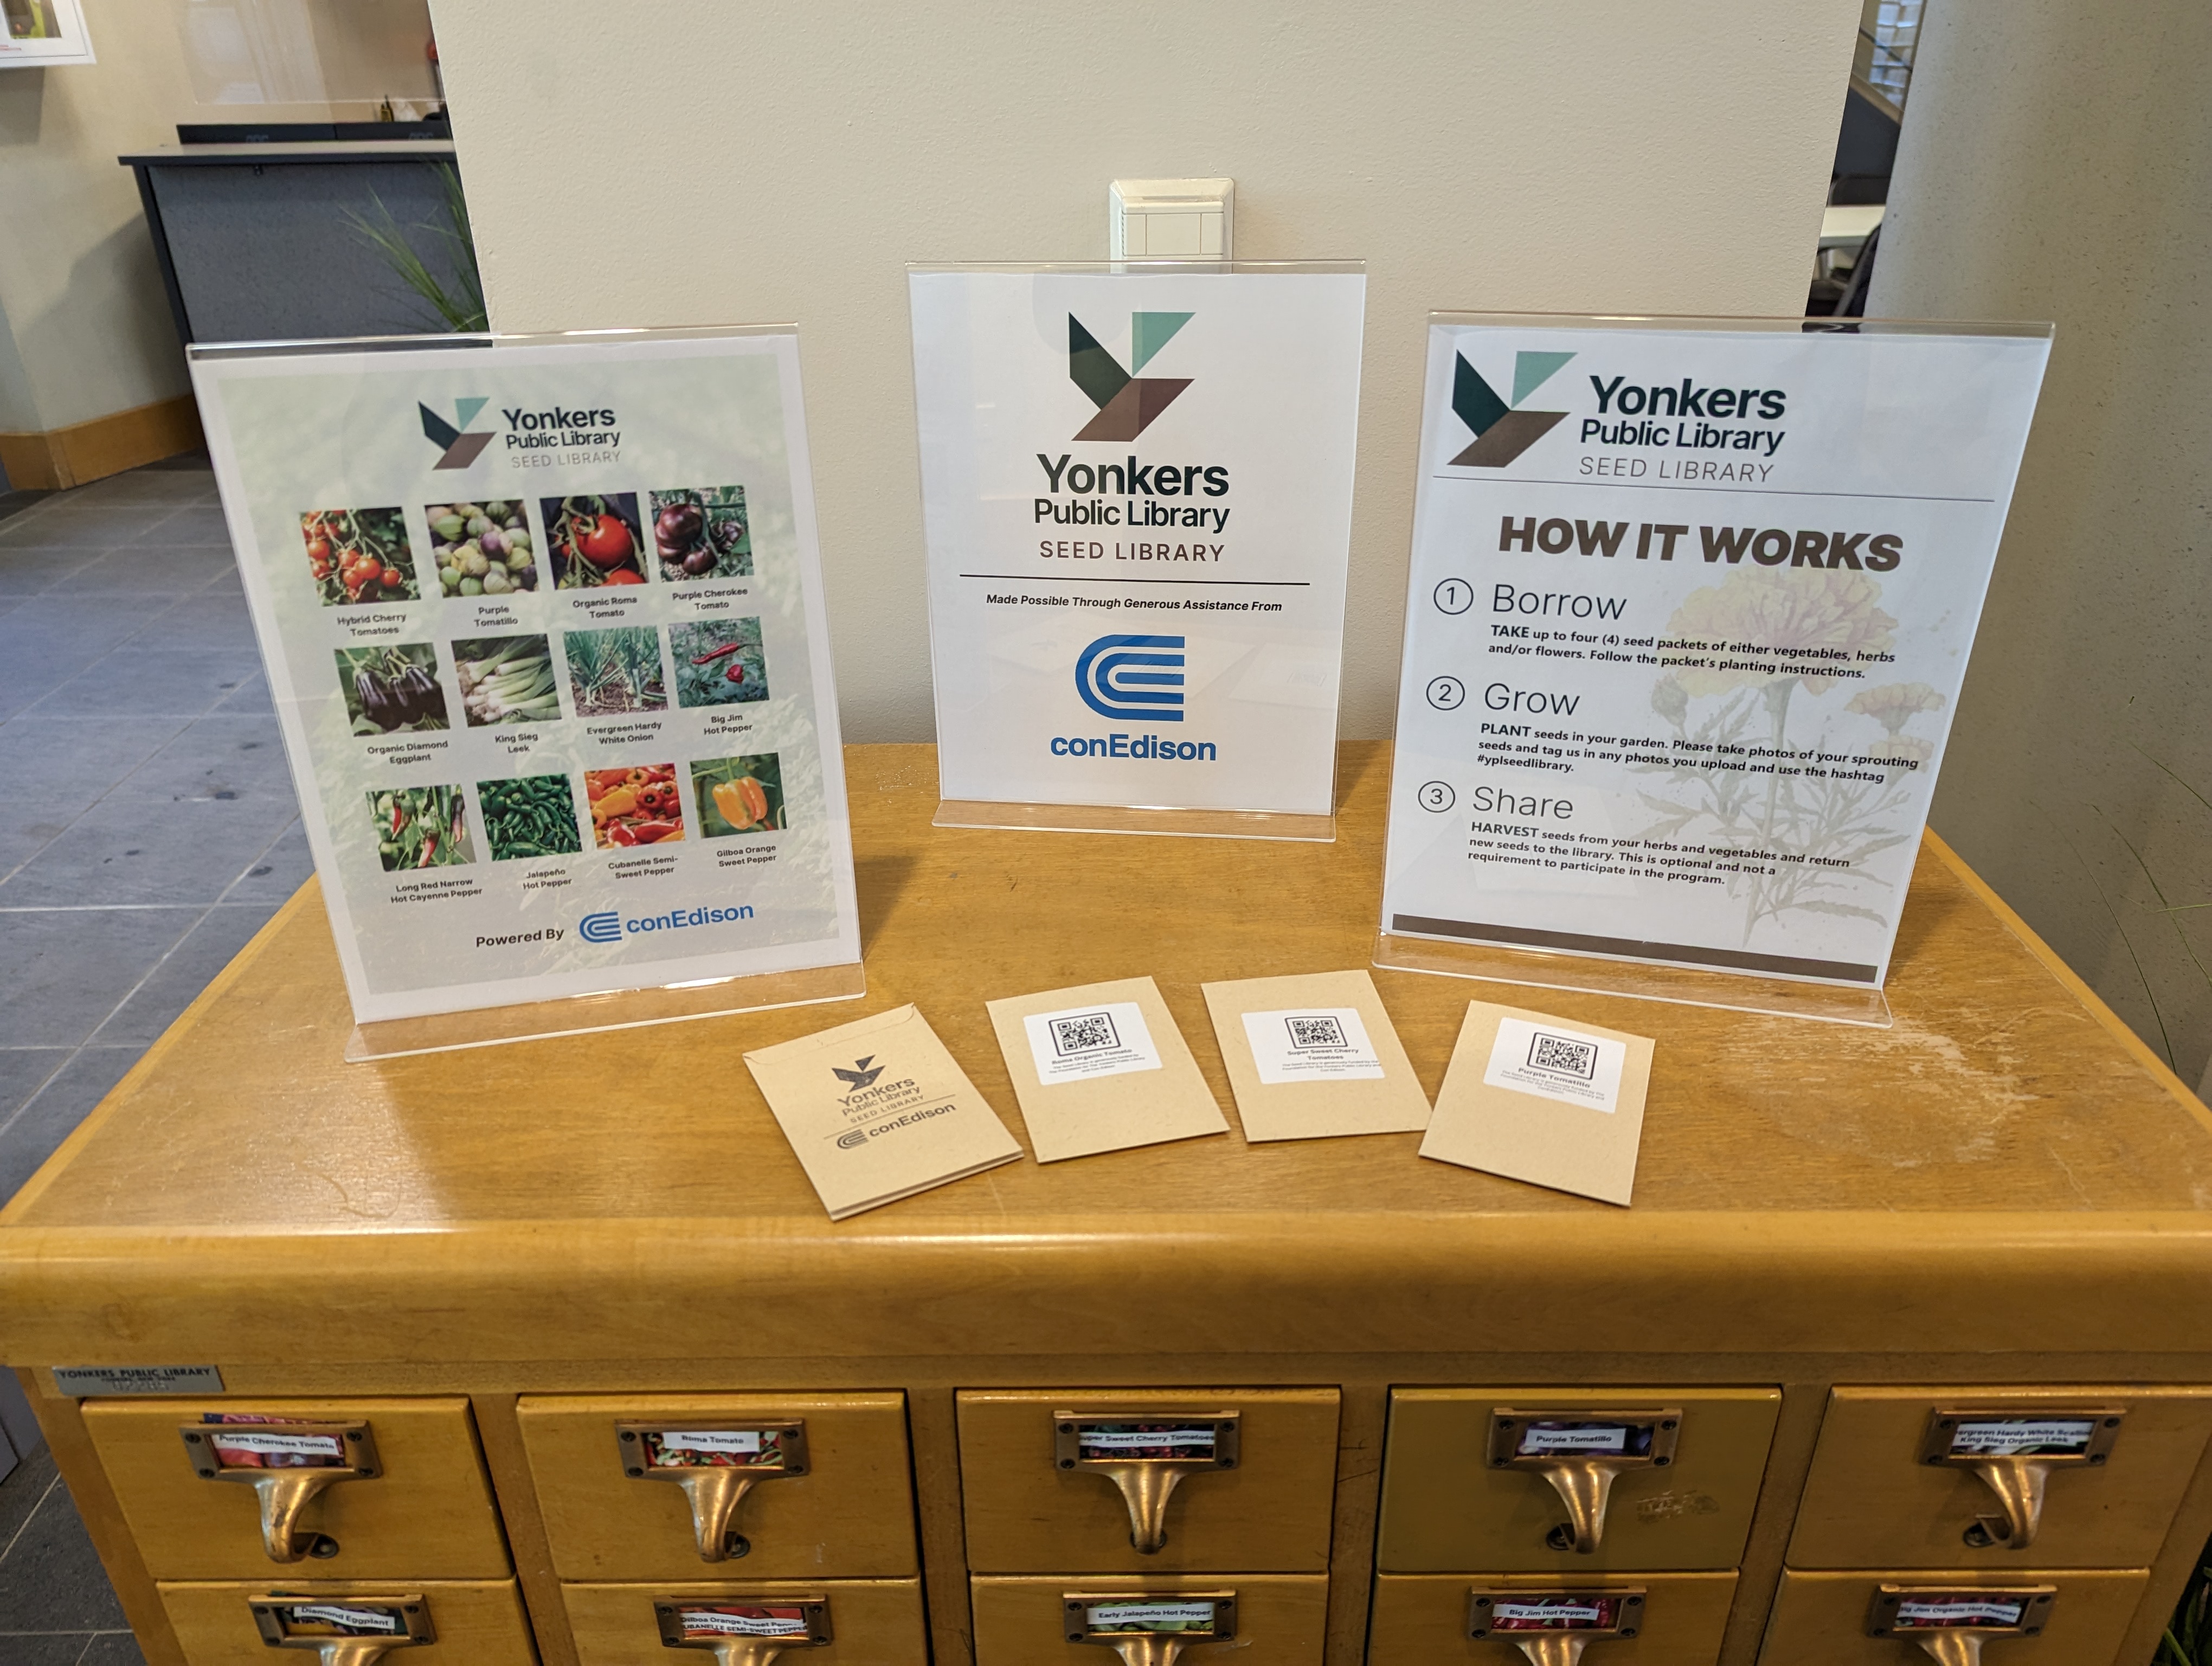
1101, 1068
1314, 1056
1110, 1039
1538, 1098
1555, 1062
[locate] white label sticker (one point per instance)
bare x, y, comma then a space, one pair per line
1188, 1442
1549, 1613
1311, 1044
359, 1619
2011, 1437
231, 1439
704, 1440
766, 1623
1128, 1617
1557, 1063
1586, 1438
1091, 1041
1951, 1612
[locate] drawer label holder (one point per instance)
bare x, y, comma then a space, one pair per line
1146, 1455
716, 1464
742, 1633
344, 1631
1581, 1452
1553, 1627
2014, 1449
1150, 1629
289, 1464
1950, 1623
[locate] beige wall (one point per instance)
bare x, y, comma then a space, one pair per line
87, 324
2057, 163
780, 159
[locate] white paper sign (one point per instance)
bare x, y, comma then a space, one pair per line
1137, 490
279, 1445
352, 1619
1555, 1062
735, 1441
2008, 1437
1193, 1441
1560, 1615
1909, 1612
1688, 614
766, 1624
1313, 1044
1595, 1438
544, 628
1128, 1616
1109, 1040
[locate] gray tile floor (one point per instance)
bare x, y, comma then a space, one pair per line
149, 828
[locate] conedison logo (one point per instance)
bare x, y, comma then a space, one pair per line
460, 448
1503, 432
1126, 402
1133, 677
610, 927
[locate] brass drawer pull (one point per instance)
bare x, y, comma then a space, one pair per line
744, 1634
1151, 1630
1950, 1623
1146, 1455
288, 1465
344, 1631
1553, 1627
2014, 1451
1581, 1453
716, 1467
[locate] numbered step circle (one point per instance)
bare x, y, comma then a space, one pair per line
1436, 795
1447, 693
1454, 596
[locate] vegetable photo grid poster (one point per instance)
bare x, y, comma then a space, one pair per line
544, 628
1688, 614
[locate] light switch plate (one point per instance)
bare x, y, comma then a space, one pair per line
1170, 219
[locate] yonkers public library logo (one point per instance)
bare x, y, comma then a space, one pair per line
859, 1075
1502, 430
1127, 403
460, 447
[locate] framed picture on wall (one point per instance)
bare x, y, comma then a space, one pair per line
40, 31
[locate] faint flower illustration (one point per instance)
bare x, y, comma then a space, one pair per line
1668, 700
1905, 749
1895, 704
1789, 614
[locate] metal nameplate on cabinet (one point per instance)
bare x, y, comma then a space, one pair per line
744, 1634
715, 1467
288, 1465
1572, 1481
1552, 1628
1950, 1623
1150, 1629
1145, 1457
876, 1623
1997, 1477
1581, 1453
1500, 1620
344, 1631
2015, 1453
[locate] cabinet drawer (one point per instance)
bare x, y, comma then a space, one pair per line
1449, 1503
1822, 1618
1280, 1618
472, 1622
827, 1490
426, 1512
1882, 1495
869, 1622
1422, 1620
1042, 1498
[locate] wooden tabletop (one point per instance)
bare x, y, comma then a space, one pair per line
1845, 1187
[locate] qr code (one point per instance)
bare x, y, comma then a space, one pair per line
1319, 1031
1088, 1032
1560, 1057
